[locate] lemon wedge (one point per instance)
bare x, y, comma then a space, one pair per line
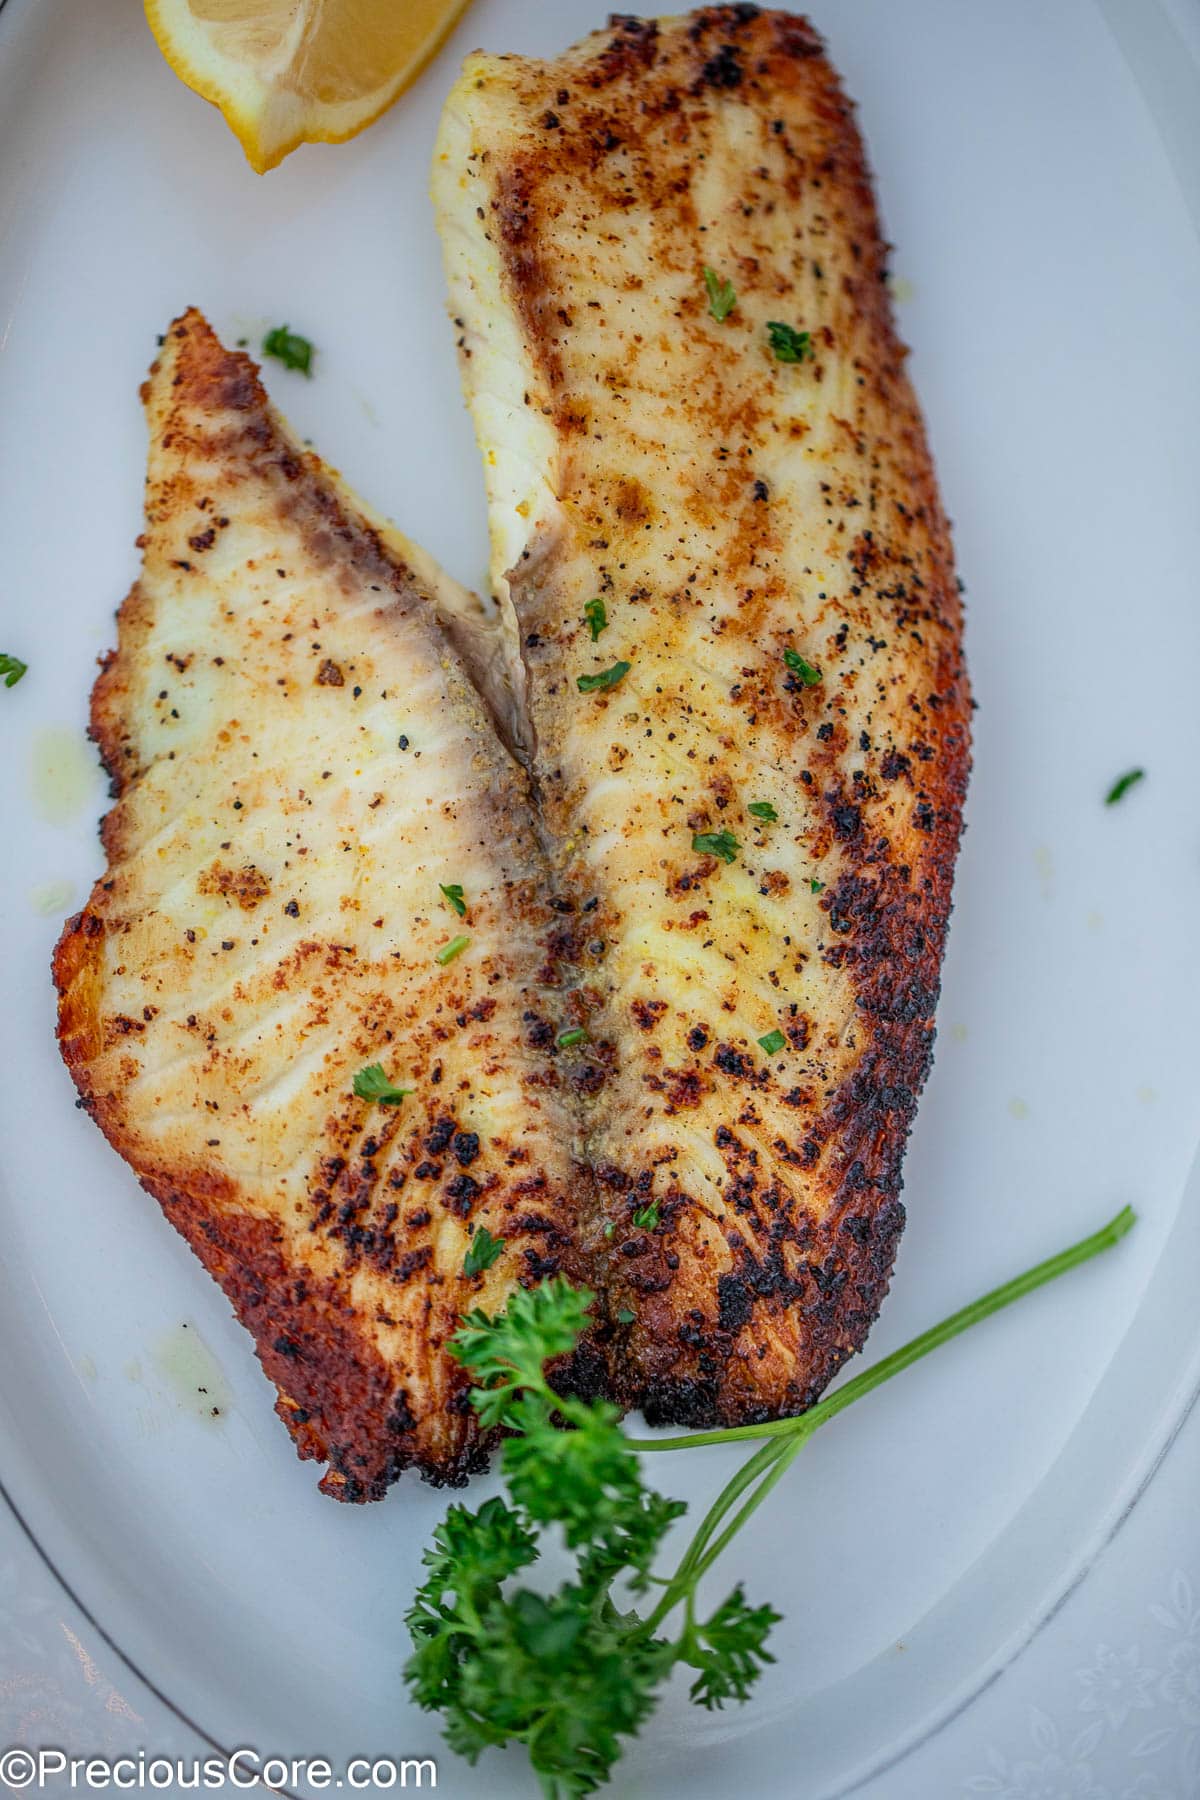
288, 72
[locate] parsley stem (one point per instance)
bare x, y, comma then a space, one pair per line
682, 1580
868, 1379
785, 1455
785, 1438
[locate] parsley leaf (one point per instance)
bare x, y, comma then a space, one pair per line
717, 843
573, 1672
1116, 792
287, 347
484, 1251
372, 1084
773, 1041
449, 951
454, 897
815, 886
789, 345
595, 616
762, 809
12, 669
730, 1651
646, 1217
575, 1035
721, 295
607, 678
808, 675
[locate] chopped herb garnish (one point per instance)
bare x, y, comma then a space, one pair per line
449, 951
573, 1672
454, 897
287, 347
721, 295
12, 669
717, 843
1116, 792
566, 1039
484, 1251
789, 345
372, 1084
762, 809
609, 1228
646, 1217
596, 617
773, 1041
804, 670
607, 678
817, 887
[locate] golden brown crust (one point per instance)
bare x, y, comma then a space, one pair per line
729, 508
271, 904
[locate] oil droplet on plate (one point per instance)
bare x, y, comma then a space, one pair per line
958, 1032
66, 777
193, 1374
1043, 862
52, 899
1018, 1109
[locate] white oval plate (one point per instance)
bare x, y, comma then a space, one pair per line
1047, 270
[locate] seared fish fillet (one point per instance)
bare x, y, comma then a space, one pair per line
766, 806
300, 764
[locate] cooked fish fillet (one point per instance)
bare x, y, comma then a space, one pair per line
300, 764
775, 568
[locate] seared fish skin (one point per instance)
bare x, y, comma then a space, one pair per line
775, 568
299, 764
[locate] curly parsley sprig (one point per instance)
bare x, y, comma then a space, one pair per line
571, 1673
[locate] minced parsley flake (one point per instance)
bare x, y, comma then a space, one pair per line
607, 678
717, 843
722, 297
289, 348
789, 345
802, 668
